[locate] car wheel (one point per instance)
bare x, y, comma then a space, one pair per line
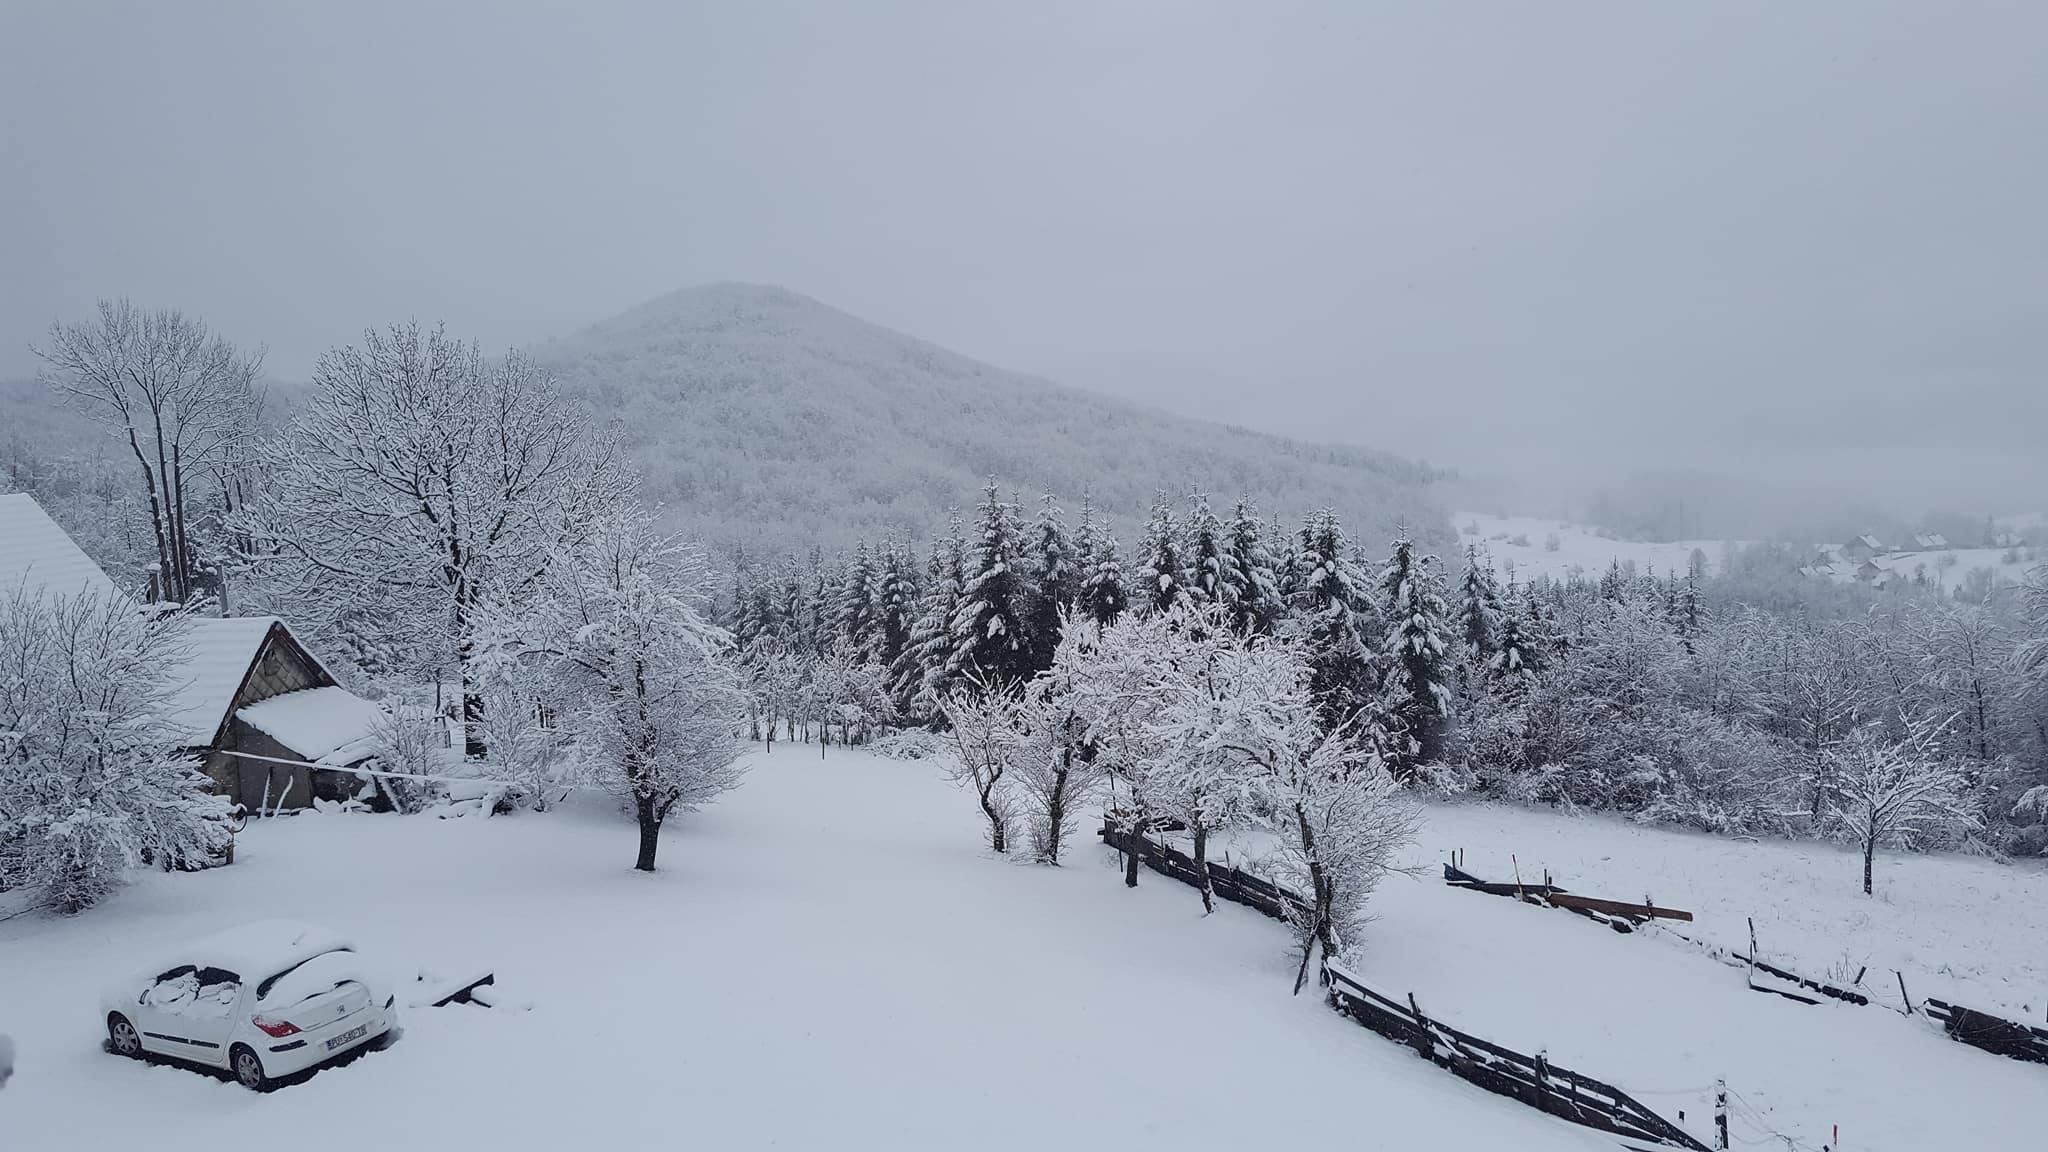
248, 1068
123, 1036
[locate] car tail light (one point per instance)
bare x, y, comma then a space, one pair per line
274, 1027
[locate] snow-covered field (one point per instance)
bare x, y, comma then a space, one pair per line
1524, 541
828, 958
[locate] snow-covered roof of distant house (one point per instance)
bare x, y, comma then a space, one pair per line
1931, 540
260, 949
218, 653
327, 724
37, 553
1870, 542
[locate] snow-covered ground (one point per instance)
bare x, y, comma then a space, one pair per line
1659, 1018
1524, 541
828, 959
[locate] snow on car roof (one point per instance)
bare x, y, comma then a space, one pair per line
315, 722
259, 949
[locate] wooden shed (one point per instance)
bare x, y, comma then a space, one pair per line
267, 721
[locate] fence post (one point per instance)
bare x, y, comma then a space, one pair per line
1423, 1046
1902, 991
1543, 1088
1721, 1115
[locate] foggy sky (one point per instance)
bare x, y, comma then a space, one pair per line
1548, 239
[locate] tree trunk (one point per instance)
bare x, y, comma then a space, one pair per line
1056, 813
1132, 858
996, 831
1869, 853
650, 832
1202, 866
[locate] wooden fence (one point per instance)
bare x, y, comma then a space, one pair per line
1560, 1092
1991, 1033
1964, 1025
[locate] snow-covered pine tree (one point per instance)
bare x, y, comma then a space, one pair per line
821, 626
1255, 603
1162, 577
1103, 597
1207, 555
921, 678
895, 603
1337, 618
990, 638
1478, 612
1282, 545
854, 607
1419, 640
1056, 581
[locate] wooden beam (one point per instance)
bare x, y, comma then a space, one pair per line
1616, 907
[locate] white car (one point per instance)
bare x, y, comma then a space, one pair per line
263, 1001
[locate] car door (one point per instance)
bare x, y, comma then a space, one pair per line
157, 1014
210, 1017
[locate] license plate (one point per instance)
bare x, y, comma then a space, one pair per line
355, 1033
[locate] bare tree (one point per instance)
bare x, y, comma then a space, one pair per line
185, 400
1901, 791
425, 480
989, 735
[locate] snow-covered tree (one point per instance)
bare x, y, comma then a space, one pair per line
1479, 622
425, 481
920, 679
854, 608
1898, 792
1102, 596
525, 724
988, 737
90, 783
1161, 580
184, 401
1334, 610
990, 638
1419, 641
1210, 575
896, 604
658, 707
1255, 599
1056, 581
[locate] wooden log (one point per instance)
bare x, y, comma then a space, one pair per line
1617, 907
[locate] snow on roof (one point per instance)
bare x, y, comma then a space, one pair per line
217, 654
315, 722
1871, 542
35, 552
260, 949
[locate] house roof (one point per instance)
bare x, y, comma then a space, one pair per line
330, 724
36, 553
218, 653
1870, 542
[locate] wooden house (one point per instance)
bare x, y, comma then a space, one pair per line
266, 721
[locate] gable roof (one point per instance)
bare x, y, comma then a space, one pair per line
329, 724
34, 552
217, 655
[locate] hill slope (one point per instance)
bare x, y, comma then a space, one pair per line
765, 417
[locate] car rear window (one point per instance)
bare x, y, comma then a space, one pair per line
263, 989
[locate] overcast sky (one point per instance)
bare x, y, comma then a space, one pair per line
1557, 238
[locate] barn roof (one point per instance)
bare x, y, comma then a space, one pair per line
218, 653
330, 724
36, 553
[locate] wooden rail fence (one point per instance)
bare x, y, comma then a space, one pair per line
1534, 1081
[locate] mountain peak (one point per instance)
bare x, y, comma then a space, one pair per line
761, 416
